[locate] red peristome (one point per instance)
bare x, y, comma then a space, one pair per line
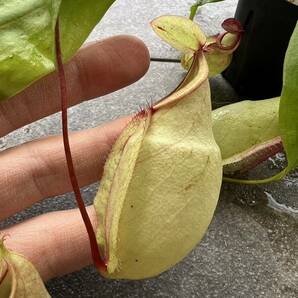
255, 157
262, 154
99, 263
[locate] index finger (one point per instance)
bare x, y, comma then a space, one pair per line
96, 70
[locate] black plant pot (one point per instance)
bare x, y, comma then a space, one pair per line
257, 66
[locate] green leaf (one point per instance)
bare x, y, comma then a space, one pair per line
161, 182
180, 32
288, 111
27, 37
18, 277
77, 19
194, 8
26, 42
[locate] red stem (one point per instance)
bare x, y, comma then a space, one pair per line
99, 263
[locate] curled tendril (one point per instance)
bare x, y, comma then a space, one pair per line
232, 26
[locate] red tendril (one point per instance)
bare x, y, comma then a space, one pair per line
99, 263
231, 26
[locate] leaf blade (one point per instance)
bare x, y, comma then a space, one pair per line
27, 37
288, 111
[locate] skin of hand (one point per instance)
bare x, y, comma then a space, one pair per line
57, 243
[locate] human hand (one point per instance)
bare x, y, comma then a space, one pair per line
57, 243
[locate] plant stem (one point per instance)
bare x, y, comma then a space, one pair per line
99, 263
194, 7
164, 60
193, 10
274, 178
